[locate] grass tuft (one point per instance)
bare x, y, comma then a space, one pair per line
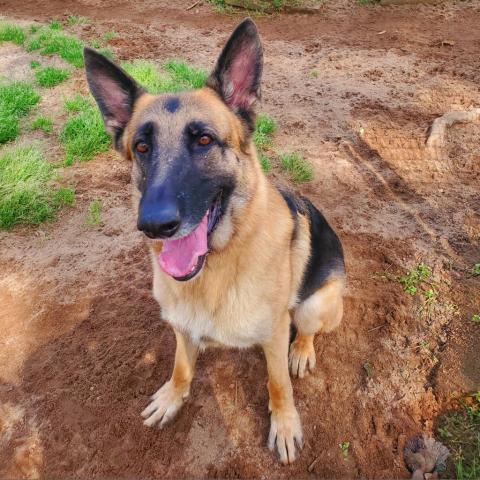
26, 194
265, 127
74, 20
300, 169
34, 64
16, 100
43, 123
460, 431
55, 25
94, 218
175, 77
109, 36
78, 103
186, 75
83, 135
12, 33
51, 76
51, 42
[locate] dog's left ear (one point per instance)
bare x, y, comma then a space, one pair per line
238, 72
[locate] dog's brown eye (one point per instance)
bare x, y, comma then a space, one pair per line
205, 140
141, 147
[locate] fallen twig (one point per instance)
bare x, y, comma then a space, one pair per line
193, 5
310, 467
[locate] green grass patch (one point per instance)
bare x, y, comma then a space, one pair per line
83, 135
95, 43
51, 76
9, 127
77, 20
43, 123
34, 64
94, 218
16, 100
175, 75
26, 192
51, 42
78, 103
55, 25
12, 33
265, 162
476, 270
459, 430
109, 36
265, 127
299, 168
186, 75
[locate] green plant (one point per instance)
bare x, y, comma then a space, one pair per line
95, 43
51, 76
26, 193
298, 167
55, 25
12, 33
95, 213
51, 42
176, 75
9, 127
460, 431
77, 104
43, 123
476, 318
74, 20
265, 162
34, 28
344, 447
185, 75
16, 100
413, 279
476, 270
83, 135
109, 36
35, 64
265, 127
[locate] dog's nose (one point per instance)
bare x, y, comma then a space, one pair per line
159, 220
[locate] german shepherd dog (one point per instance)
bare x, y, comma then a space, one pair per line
235, 259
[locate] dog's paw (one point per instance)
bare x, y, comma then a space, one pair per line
286, 434
301, 358
165, 404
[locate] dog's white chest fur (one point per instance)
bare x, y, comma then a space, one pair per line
241, 319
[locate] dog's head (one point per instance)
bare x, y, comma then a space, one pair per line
192, 152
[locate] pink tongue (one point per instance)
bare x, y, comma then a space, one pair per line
180, 256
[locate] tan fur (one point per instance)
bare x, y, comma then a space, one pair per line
249, 283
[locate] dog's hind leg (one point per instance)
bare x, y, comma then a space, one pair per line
320, 312
168, 400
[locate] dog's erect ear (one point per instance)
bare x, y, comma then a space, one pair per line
237, 74
114, 90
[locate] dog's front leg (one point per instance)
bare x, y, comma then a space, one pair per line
168, 400
285, 425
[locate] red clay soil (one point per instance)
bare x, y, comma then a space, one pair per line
354, 88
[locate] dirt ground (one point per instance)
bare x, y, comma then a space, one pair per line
354, 88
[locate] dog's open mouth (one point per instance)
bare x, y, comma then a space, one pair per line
183, 258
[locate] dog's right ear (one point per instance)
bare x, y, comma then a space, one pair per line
114, 91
